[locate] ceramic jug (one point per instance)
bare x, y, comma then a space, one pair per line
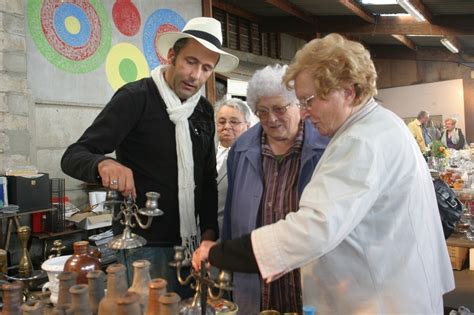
169, 303
141, 279
81, 262
66, 280
64, 309
116, 288
96, 280
157, 287
129, 304
12, 298
80, 299
32, 307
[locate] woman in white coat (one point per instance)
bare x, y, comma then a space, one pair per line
368, 235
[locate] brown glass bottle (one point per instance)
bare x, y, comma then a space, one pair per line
81, 262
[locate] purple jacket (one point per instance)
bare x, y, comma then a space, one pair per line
244, 193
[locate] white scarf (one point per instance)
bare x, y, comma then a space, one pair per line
179, 113
454, 136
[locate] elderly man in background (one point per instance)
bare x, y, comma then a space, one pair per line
418, 129
367, 235
232, 119
268, 167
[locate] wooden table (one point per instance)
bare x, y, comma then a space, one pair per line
14, 218
459, 240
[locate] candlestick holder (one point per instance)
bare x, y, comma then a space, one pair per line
205, 297
129, 217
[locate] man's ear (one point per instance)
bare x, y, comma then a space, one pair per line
171, 57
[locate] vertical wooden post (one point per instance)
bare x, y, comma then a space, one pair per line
211, 82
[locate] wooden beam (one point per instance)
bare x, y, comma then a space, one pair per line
420, 6
405, 41
232, 9
403, 25
211, 82
357, 10
290, 8
421, 54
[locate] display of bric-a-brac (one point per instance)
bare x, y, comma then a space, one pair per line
81, 51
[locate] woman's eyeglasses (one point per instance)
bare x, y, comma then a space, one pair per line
232, 122
305, 103
277, 110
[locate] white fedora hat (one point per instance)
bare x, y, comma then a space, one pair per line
206, 31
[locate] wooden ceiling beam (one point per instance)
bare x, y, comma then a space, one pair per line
420, 6
422, 54
358, 10
405, 41
406, 25
232, 9
291, 9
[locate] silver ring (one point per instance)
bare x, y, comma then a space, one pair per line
113, 182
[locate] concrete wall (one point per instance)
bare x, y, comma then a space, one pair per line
396, 73
46, 104
444, 98
65, 102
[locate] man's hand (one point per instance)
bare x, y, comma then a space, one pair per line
116, 176
202, 253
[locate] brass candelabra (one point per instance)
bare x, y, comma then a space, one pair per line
202, 283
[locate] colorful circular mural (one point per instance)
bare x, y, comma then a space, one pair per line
126, 17
163, 20
74, 36
125, 63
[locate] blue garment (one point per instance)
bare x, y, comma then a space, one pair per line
244, 194
159, 257
426, 135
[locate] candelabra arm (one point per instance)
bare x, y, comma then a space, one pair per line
215, 297
117, 216
140, 223
180, 278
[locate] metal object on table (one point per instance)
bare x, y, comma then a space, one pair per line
56, 250
27, 282
202, 283
129, 211
25, 266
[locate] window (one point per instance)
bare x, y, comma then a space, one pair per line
244, 35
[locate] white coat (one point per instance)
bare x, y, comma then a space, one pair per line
368, 234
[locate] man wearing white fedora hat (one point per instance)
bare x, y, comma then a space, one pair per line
162, 131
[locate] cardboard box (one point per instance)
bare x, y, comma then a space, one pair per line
458, 256
471, 258
90, 220
29, 192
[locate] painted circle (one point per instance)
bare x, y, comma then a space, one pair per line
72, 25
126, 17
64, 19
125, 63
162, 20
128, 70
52, 31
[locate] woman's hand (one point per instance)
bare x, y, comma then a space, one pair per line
202, 254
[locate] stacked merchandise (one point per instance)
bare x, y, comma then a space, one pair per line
56, 220
100, 241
